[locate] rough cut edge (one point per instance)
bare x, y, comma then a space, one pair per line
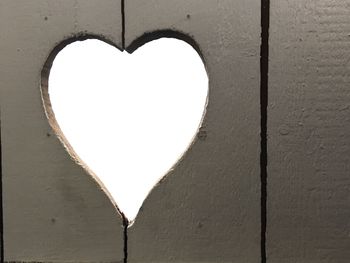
138, 42
171, 33
44, 89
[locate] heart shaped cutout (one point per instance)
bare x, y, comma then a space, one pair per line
127, 117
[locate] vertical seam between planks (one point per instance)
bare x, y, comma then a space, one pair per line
123, 23
125, 225
125, 220
264, 70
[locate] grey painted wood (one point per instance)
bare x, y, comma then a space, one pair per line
308, 131
53, 210
208, 207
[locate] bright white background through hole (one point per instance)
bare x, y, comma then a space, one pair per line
129, 117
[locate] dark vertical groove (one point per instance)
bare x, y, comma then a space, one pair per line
125, 225
264, 71
1, 206
123, 23
125, 220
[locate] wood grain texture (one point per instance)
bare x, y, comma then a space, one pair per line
208, 207
53, 210
308, 132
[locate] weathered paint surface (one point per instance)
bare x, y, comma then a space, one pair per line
208, 208
53, 210
308, 132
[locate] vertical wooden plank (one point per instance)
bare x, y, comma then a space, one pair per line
53, 210
208, 207
308, 132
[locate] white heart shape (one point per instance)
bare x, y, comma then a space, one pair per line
129, 118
